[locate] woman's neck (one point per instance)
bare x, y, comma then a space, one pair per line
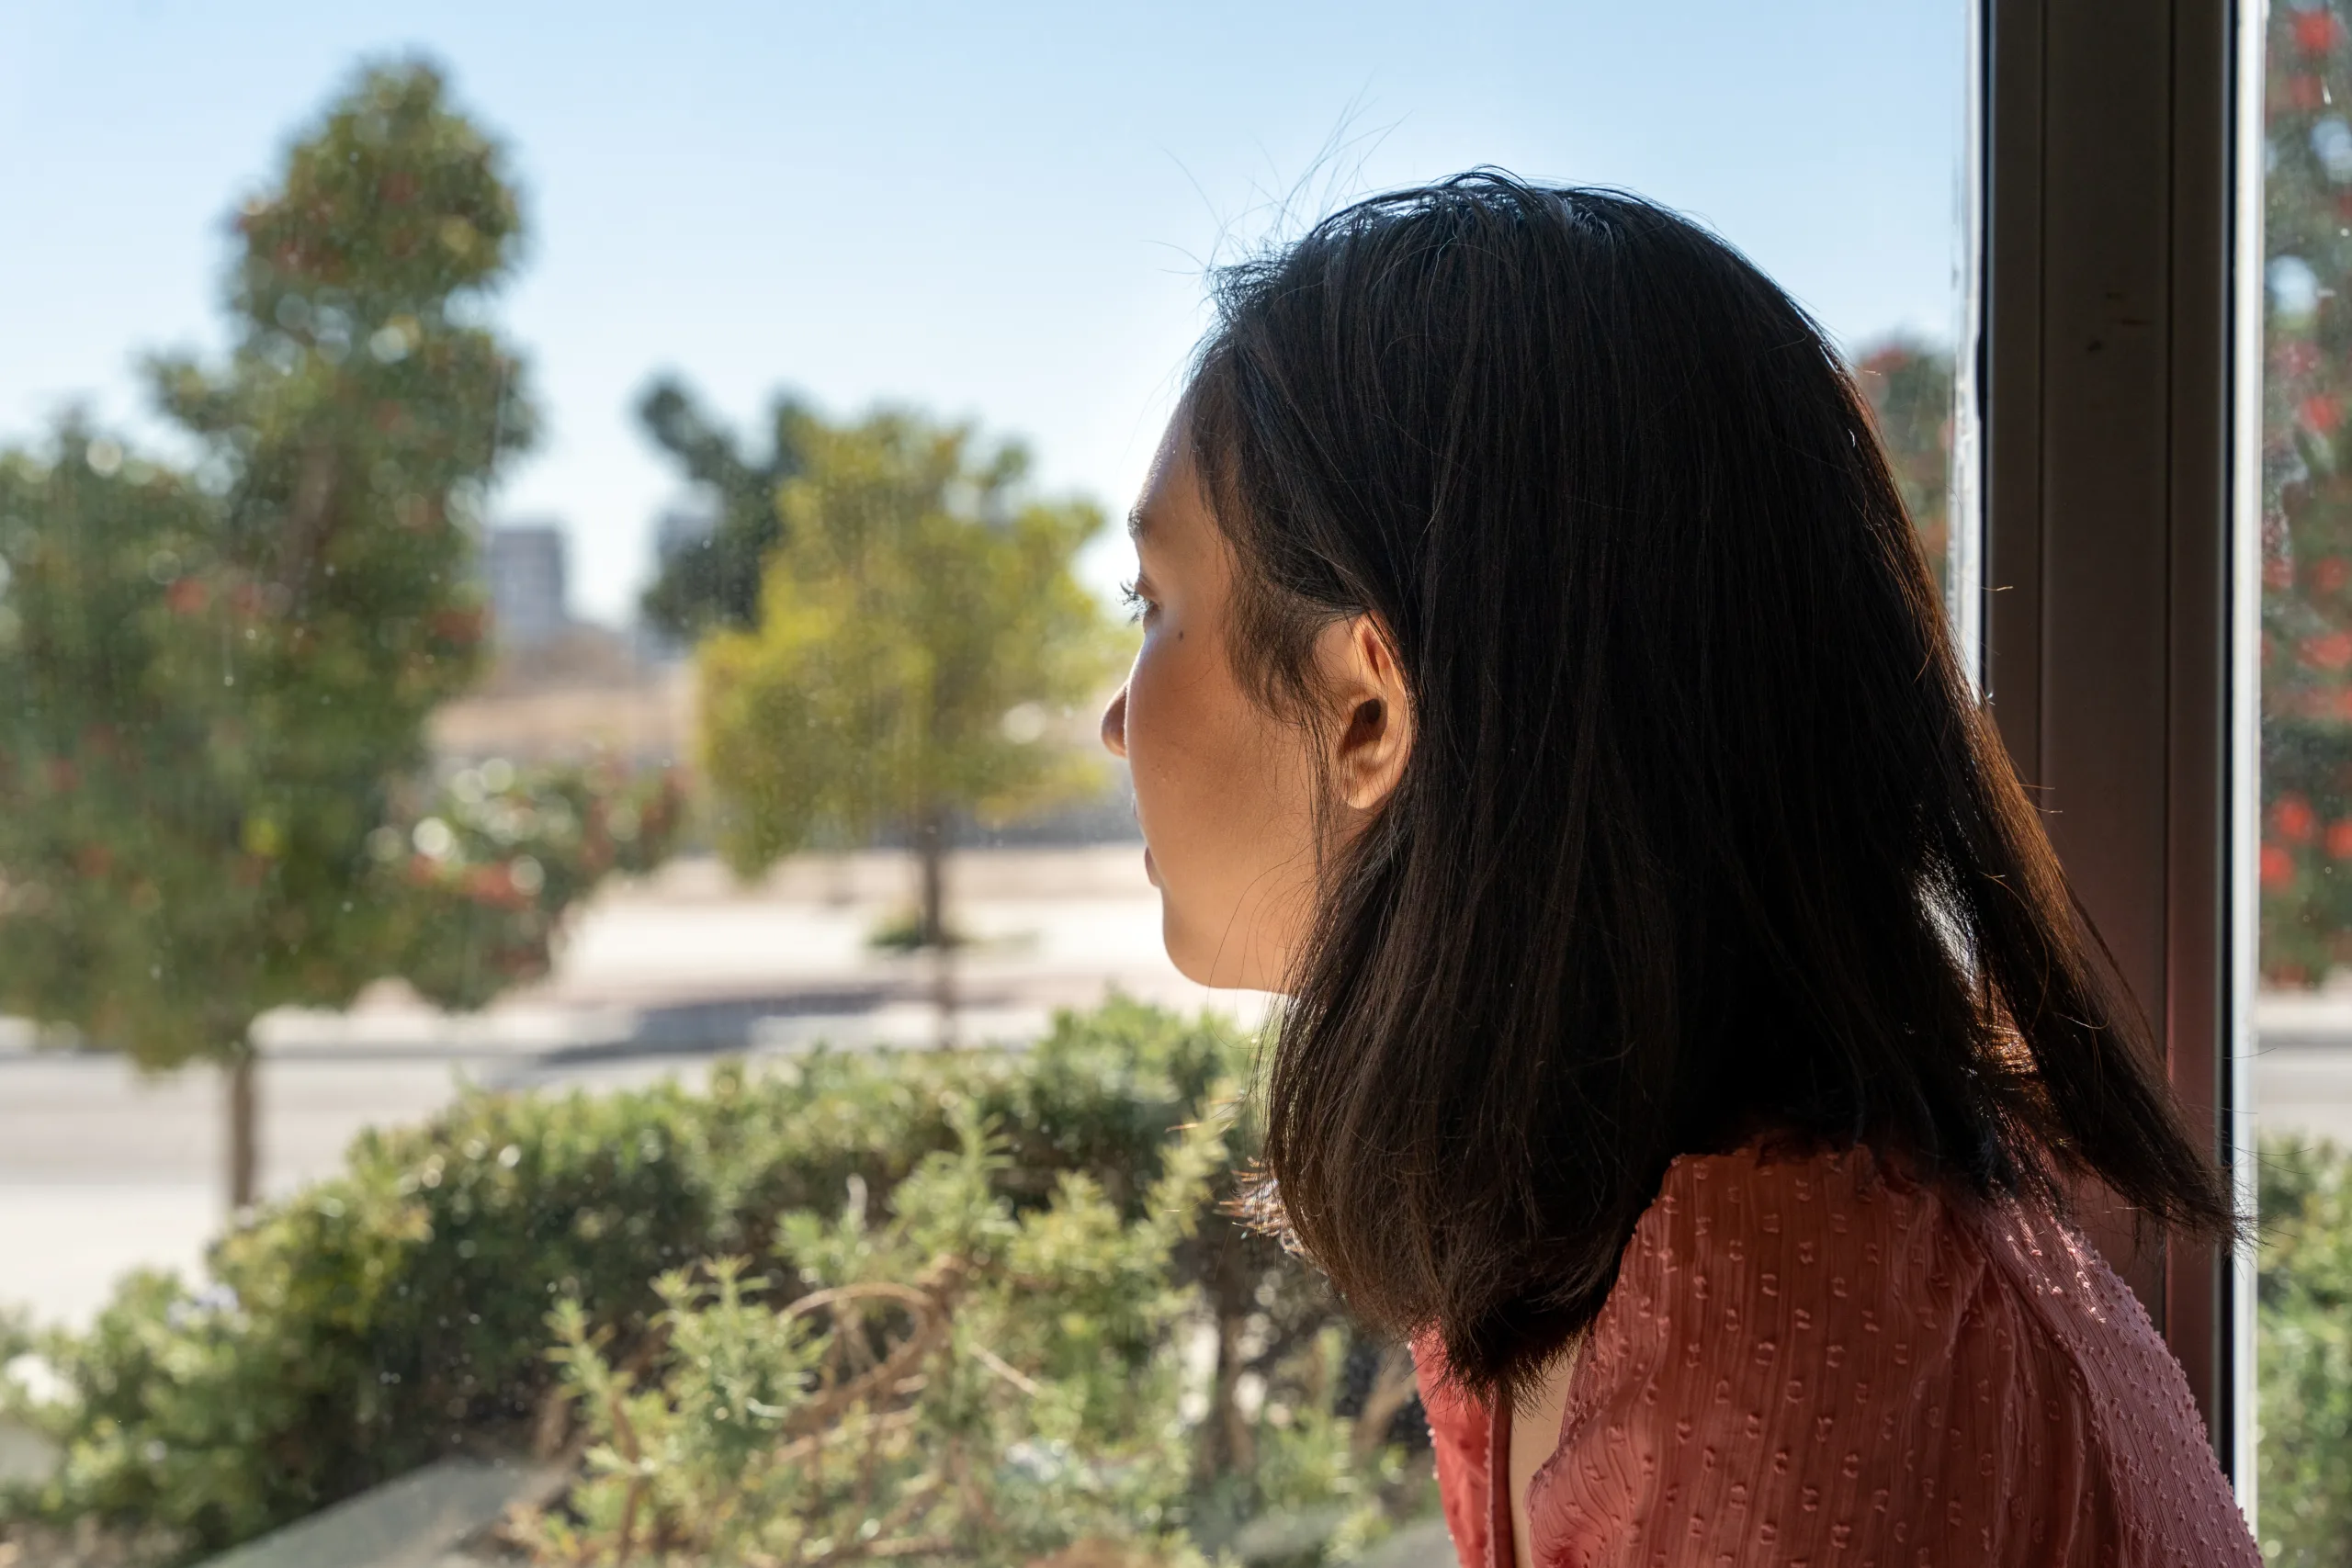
1537, 1411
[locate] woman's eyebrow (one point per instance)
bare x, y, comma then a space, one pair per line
1139, 524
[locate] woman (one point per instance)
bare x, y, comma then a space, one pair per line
1687, 1038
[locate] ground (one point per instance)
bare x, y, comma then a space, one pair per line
101, 1170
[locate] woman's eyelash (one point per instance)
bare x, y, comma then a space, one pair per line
1131, 595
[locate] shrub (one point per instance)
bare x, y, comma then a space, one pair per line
401, 1311
962, 1381
2305, 1355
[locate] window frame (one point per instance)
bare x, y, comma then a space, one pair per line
2111, 393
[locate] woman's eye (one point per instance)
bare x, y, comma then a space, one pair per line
1131, 594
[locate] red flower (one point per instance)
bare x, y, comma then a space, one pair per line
2339, 840
2294, 818
2330, 573
2316, 32
186, 596
2278, 867
2321, 413
2329, 650
462, 627
494, 885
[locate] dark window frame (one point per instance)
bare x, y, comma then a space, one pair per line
2111, 385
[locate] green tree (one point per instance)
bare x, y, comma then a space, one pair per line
714, 580
218, 690
2307, 501
1909, 385
918, 626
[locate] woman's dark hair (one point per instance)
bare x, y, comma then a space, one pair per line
1703, 836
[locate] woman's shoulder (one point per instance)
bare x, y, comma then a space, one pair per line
1804, 1346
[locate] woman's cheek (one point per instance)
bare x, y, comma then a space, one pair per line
1169, 753
1147, 749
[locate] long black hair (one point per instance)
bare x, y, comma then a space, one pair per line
1703, 836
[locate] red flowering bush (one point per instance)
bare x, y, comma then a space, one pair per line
2306, 648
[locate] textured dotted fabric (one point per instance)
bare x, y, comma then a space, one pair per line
1805, 1363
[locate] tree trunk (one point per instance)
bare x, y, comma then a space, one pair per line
245, 1131
1393, 1387
931, 850
1226, 1444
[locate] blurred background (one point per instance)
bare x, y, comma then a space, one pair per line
734, 232
561, 565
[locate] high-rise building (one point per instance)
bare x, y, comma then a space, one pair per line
529, 588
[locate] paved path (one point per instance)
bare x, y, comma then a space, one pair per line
101, 1170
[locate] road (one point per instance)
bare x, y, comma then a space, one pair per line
101, 1170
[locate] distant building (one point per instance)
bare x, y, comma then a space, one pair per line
530, 601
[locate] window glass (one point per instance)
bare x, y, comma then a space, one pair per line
2303, 1013
557, 572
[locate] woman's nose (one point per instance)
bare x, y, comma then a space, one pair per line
1114, 725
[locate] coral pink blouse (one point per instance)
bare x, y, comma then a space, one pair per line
1804, 1362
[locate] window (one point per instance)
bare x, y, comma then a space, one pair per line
2304, 1011
399, 661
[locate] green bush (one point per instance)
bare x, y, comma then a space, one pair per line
964, 1381
406, 1309
2305, 1355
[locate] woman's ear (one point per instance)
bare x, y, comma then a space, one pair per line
1374, 712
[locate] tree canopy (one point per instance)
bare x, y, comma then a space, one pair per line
2306, 856
1909, 385
920, 629
219, 680
714, 580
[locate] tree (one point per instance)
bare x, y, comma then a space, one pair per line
2307, 502
714, 580
918, 626
218, 690
1909, 385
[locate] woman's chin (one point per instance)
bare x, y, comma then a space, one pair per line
1215, 965
1182, 952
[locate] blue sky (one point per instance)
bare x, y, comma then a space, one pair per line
997, 212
